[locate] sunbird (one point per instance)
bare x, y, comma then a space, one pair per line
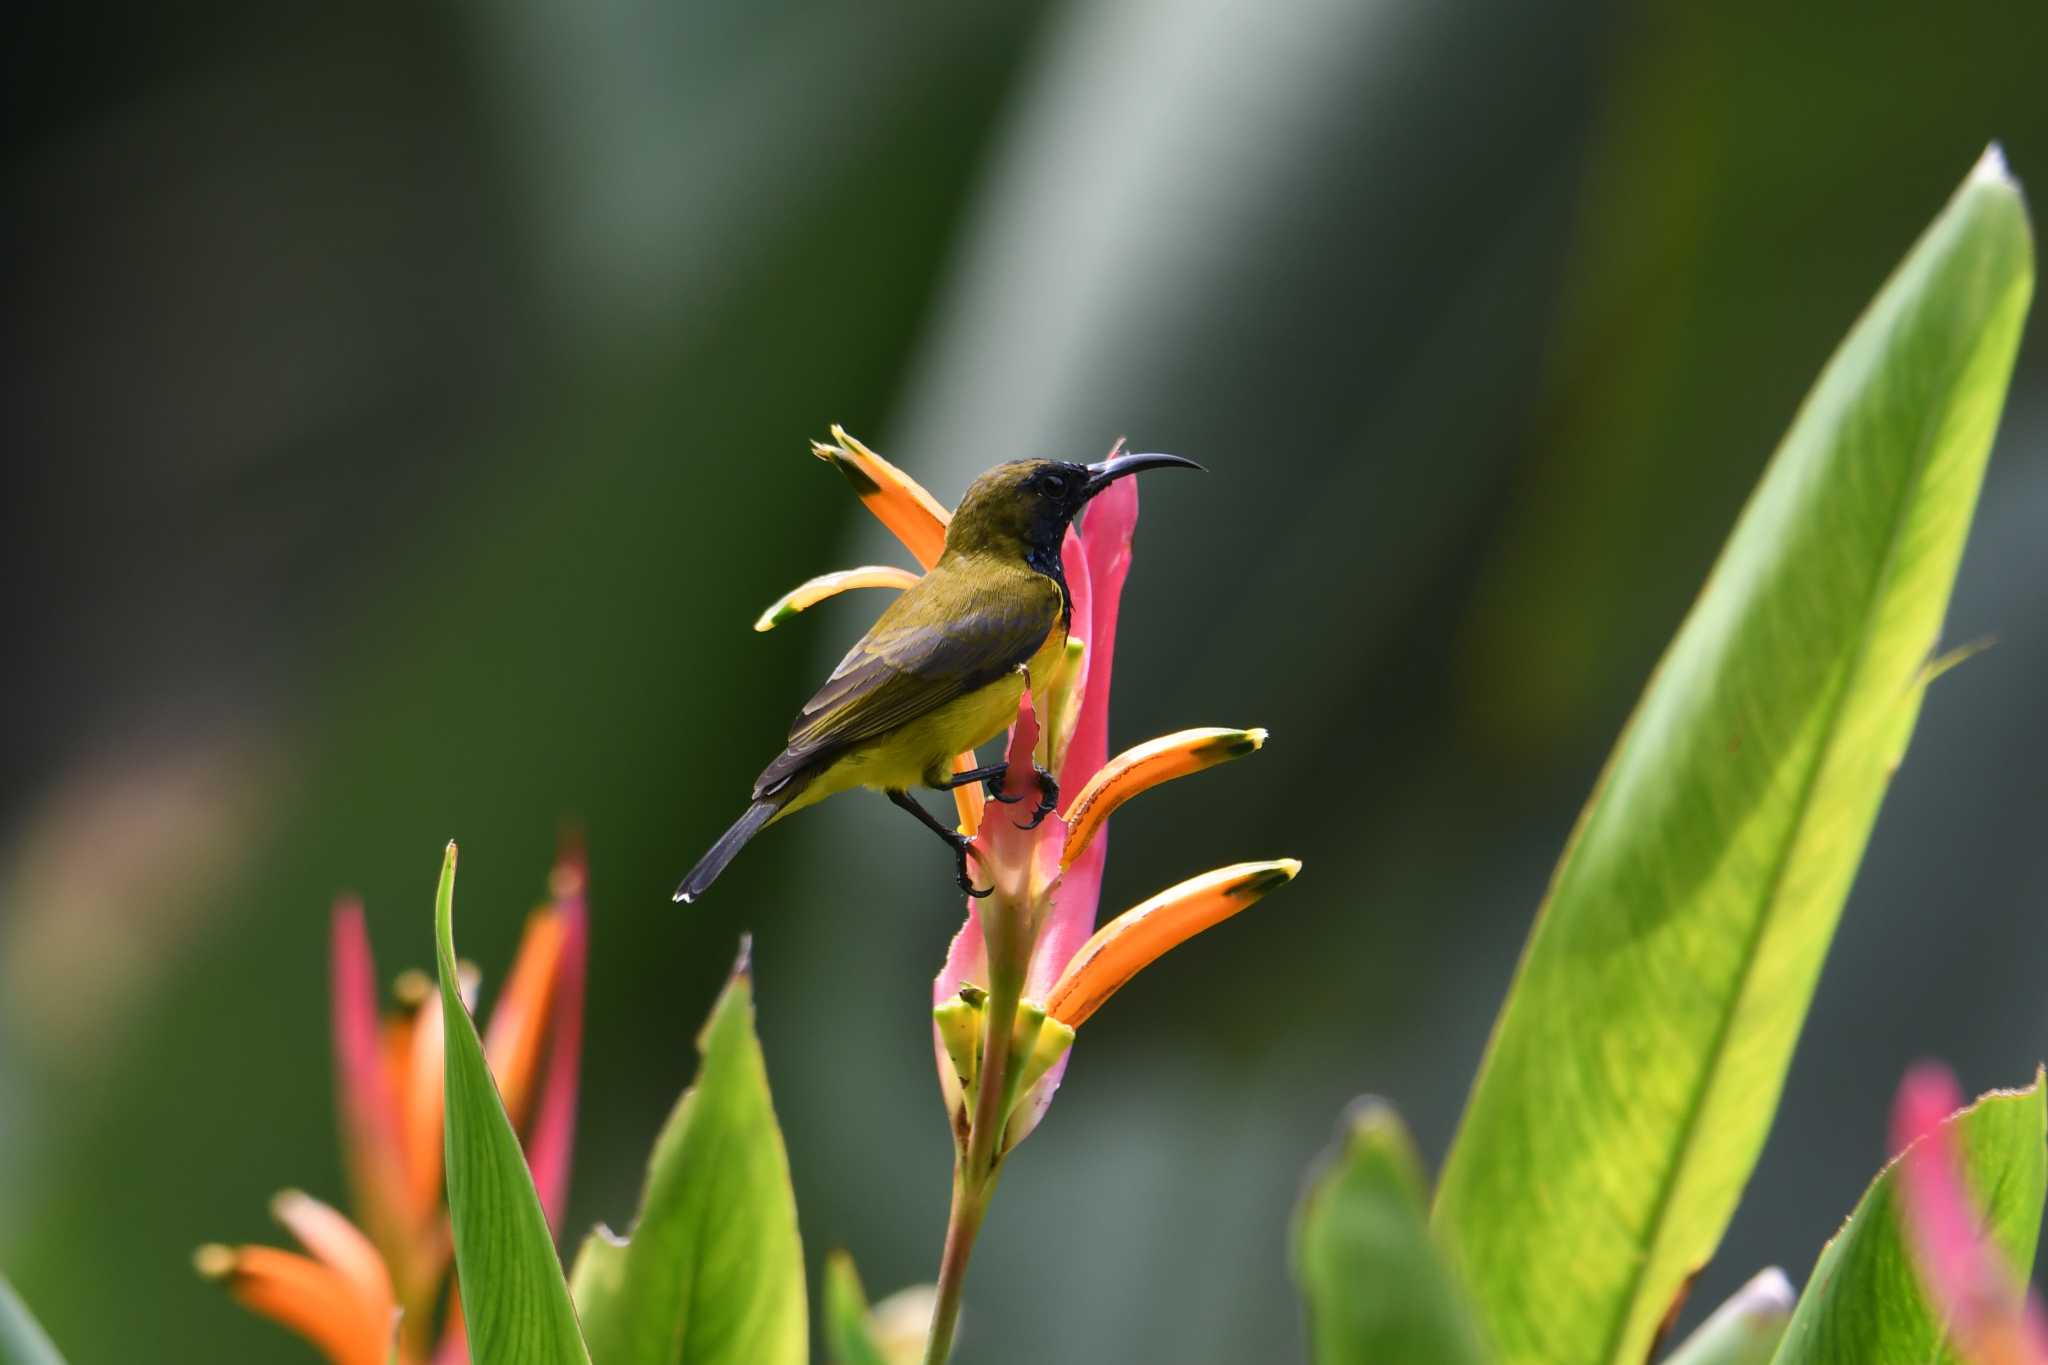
942, 670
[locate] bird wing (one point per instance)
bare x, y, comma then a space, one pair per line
936, 643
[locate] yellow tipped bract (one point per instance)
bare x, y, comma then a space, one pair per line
808, 594
300, 1293
1144, 767
898, 501
1135, 939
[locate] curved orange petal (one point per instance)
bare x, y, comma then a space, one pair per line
336, 1243
301, 1294
1144, 767
512, 1040
419, 1098
898, 501
1133, 940
809, 593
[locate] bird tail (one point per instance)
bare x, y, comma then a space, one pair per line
729, 844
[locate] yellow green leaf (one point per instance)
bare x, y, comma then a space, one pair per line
713, 1273
1377, 1290
1636, 1065
514, 1302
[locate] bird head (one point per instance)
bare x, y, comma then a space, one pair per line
1024, 507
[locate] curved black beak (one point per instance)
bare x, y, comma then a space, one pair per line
1106, 472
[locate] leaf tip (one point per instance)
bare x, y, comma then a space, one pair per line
1772, 1288
1991, 167
1372, 1120
743, 965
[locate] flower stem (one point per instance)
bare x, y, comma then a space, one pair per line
961, 1228
976, 1168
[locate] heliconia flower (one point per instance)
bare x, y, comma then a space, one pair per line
1049, 879
1993, 1318
368, 1291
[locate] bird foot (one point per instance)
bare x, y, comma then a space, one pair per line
962, 846
1048, 797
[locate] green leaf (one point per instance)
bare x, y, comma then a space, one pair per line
1863, 1304
22, 1339
849, 1339
514, 1301
1636, 1065
714, 1272
1376, 1287
1743, 1331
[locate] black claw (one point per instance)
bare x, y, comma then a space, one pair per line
962, 846
1048, 797
995, 792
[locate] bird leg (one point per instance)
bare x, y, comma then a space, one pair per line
990, 777
955, 840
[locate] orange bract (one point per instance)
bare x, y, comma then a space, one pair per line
1138, 937
512, 1042
898, 501
311, 1299
419, 1099
336, 1243
971, 800
1144, 767
813, 591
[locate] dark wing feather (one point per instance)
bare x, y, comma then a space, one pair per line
933, 645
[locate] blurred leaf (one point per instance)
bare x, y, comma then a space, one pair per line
1863, 1303
22, 1339
1636, 1065
714, 1272
514, 1302
1743, 1331
848, 1338
1376, 1288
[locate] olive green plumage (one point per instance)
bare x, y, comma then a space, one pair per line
942, 671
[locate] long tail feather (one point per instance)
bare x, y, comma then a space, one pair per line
729, 843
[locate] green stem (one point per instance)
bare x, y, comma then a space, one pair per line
976, 1169
961, 1228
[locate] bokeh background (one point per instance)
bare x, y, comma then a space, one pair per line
406, 413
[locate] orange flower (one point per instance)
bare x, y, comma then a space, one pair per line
370, 1294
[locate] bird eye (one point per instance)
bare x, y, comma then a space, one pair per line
1054, 485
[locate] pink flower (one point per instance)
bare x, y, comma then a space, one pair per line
1992, 1316
365, 1286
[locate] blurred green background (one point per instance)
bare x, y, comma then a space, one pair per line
407, 408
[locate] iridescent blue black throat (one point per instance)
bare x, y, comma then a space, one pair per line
1047, 561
